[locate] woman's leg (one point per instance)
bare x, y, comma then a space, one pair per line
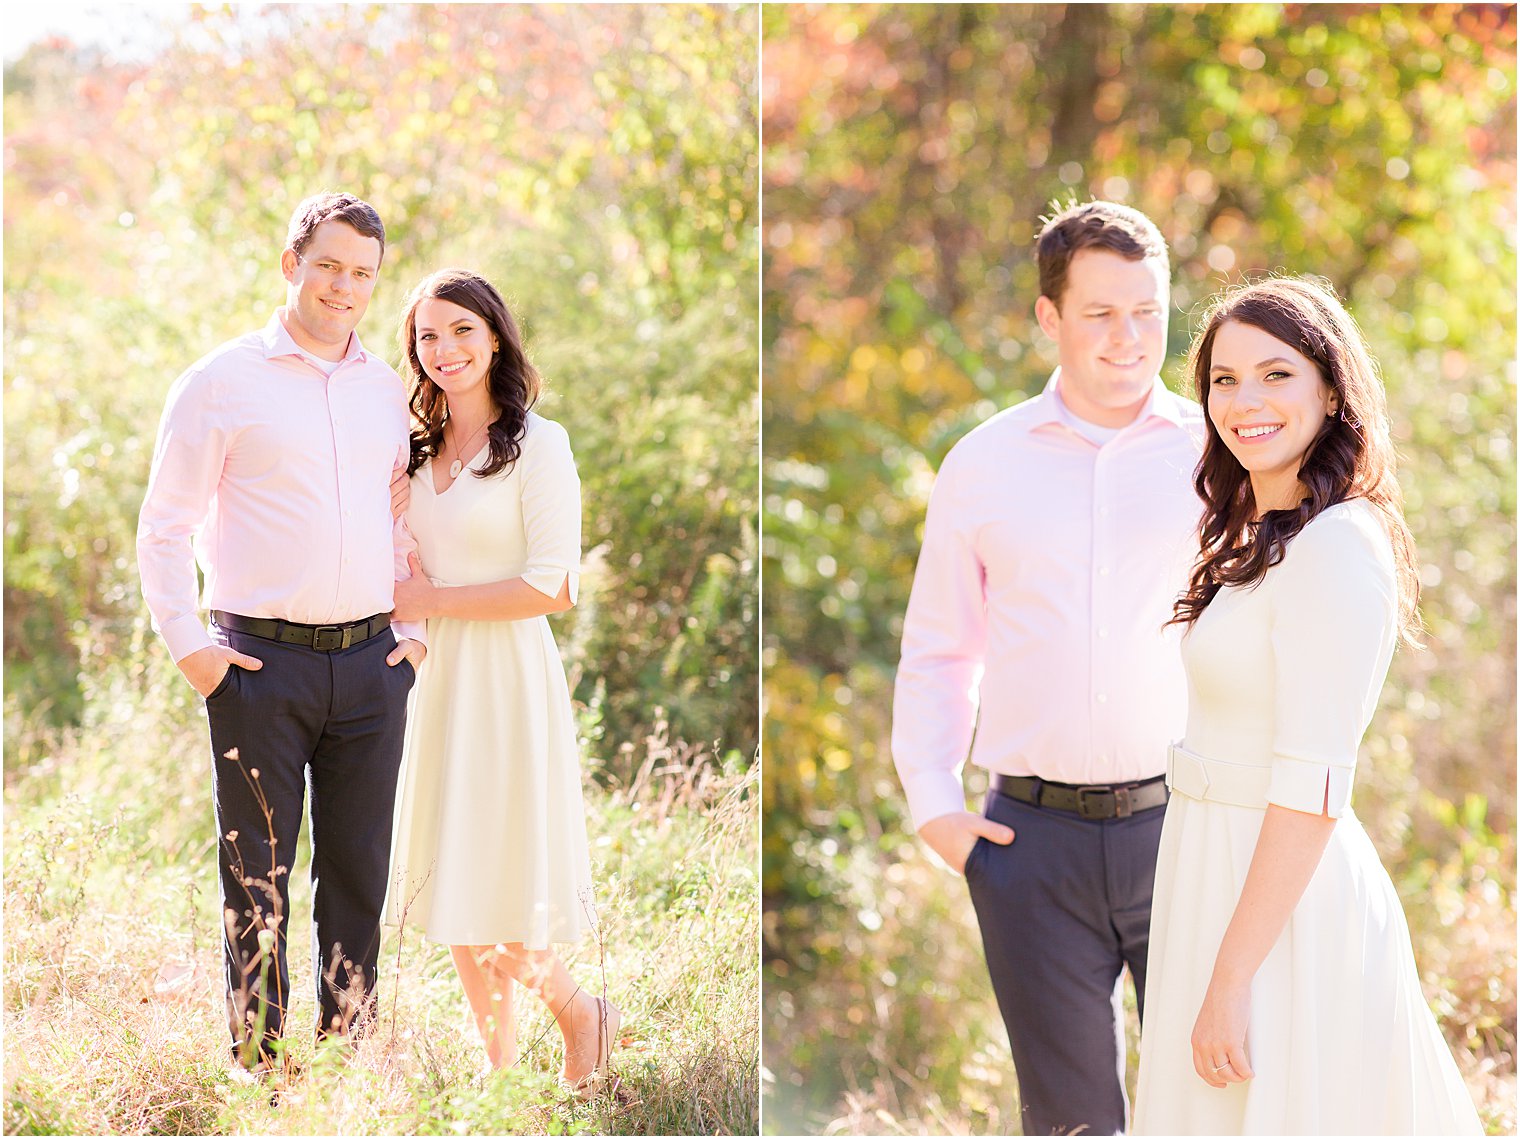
588, 1024
490, 997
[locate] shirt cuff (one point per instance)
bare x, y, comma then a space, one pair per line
932, 794
410, 631
185, 635
1301, 785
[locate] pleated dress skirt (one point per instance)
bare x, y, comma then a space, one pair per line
1341, 1039
490, 841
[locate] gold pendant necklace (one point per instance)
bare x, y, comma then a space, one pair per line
458, 464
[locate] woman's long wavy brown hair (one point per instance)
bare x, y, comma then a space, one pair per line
513, 382
1351, 457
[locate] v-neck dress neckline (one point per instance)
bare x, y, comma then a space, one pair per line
463, 471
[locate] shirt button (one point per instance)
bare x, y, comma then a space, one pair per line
1102, 699
1102, 512
1102, 571
1102, 633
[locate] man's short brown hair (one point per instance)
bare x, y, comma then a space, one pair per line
351, 211
1094, 225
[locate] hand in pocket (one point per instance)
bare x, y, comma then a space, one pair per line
953, 836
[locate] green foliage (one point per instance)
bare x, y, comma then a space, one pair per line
598, 164
909, 154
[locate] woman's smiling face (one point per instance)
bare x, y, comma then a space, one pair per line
454, 345
1268, 402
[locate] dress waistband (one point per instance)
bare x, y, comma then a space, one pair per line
1215, 781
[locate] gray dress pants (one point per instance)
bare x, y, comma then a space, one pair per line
330, 723
1062, 910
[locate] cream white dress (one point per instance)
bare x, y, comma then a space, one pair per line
1283, 680
490, 832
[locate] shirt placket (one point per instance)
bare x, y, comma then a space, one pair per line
345, 473
1101, 618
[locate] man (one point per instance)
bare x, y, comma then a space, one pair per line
275, 455
1058, 534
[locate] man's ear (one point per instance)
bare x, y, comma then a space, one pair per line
1049, 316
288, 263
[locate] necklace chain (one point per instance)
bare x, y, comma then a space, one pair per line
458, 464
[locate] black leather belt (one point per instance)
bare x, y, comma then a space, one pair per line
323, 638
1099, 801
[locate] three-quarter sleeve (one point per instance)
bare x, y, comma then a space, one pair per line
944, 642
1334, 624
551, 509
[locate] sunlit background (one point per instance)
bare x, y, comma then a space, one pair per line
600, 165
909, 153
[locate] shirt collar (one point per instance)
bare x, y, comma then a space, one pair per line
278, 341
1050, 408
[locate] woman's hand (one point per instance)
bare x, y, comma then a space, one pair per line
401, 491
1288, 849
416, 597
1219, 1034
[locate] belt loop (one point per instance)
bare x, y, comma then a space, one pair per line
1036, 789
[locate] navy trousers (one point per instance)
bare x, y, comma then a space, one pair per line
1062, 910
331, 723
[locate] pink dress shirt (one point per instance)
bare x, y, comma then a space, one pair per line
1049, 566
281, 476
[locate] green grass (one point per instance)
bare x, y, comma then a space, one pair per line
112, 1001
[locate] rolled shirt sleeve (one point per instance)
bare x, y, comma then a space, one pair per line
551, 507
935, 698
1334, 626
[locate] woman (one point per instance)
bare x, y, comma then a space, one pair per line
1282, 995
490, 853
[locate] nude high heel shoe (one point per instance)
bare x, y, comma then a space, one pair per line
600, 1079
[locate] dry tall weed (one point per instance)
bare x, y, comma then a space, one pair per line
113, 1008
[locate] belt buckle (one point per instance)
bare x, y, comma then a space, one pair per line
337, 631
1098, 793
